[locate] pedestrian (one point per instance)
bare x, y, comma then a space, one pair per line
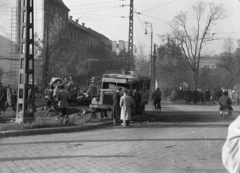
49, 99
2, 100
63, 97
144, 100
214, 96
156, 96
126, 105
116, 105
188, 96
96, 101
10, 99
195, 96
231, 148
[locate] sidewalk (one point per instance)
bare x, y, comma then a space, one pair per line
50, 130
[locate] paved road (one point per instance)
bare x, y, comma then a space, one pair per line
181, 140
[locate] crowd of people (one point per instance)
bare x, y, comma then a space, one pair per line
57, 96
126, 103
8, 98
198, 95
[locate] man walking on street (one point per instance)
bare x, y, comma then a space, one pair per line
63, 97
157, 98
2, 100
116, 107
126, 104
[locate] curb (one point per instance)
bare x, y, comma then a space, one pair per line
52, 130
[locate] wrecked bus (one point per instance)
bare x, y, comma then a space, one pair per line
112, 80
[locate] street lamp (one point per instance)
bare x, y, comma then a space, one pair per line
148, 24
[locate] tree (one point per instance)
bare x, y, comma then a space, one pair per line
193, 38
230, 62
142, 65
38, 58
171, 65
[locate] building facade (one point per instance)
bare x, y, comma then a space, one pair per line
45, 13
209, 62
121, 45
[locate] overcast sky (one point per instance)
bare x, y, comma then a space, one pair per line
104, 17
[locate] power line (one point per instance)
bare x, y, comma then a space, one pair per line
153, 17
93, 3
141, 22
160, 6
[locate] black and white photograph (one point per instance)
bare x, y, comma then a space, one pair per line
120, 86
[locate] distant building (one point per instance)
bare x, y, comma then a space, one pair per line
118, 46
209, 62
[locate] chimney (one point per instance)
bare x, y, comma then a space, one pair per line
83, 24
76, 20
70, 17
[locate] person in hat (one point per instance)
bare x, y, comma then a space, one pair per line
96, 101
225, 102
63, 97
2, 100
116, 107
126, 104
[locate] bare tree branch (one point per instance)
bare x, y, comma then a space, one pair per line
192, 40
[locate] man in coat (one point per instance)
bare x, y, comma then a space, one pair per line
10, 99
63, 97
2, 100
156, 96
126, 104
116, 107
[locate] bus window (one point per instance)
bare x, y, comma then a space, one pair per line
108, 85
127, 86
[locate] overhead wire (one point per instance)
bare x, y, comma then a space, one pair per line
92, 3
151, 17
141, 22
160, 6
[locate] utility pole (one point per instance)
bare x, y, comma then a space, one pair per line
154, 64
130, 38
26, 73
151, 56
46, 60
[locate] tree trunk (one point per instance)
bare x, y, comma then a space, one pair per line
195, 79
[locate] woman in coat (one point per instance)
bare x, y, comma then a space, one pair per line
2, 100
126, 104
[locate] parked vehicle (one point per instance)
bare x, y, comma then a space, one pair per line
112, 80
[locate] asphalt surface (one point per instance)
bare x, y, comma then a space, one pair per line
182, 138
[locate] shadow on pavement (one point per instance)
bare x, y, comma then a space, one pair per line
188, 116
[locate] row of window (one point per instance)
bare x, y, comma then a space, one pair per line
82, 39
